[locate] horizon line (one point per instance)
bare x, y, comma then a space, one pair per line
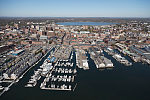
64, 17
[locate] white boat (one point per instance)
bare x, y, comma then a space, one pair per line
6, 88
1, 88
29, 85
47, 67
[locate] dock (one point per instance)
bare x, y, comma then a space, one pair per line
58, 89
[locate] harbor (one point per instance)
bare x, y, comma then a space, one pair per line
58, 73
63, 73
85, 79
61, 69
15, 76
118, 57
74, 58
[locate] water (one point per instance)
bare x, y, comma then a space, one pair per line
119, 83
85, 23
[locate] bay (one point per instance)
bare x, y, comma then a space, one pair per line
85, 23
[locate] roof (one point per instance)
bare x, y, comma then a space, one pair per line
18, 51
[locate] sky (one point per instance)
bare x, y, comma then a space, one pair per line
74, 8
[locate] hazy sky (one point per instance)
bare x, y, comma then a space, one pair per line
75, 8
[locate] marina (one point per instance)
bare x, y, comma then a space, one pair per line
58, 71
74, 58
33, 81
57, 76
62, 76
16, 79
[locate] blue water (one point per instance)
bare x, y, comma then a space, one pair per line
85, 23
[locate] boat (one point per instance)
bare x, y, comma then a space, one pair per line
6, 88
29, 85
1, 88
47, 67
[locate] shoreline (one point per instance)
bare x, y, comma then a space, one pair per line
18, 79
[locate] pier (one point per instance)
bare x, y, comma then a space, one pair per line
17, 79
